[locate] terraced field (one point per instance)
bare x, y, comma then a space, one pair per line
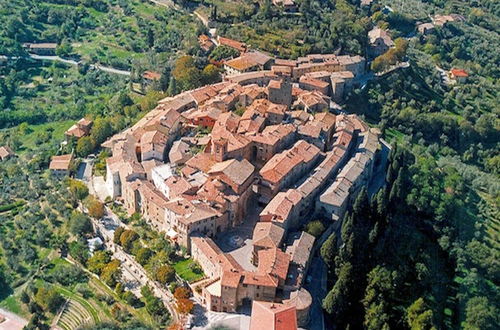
76, 315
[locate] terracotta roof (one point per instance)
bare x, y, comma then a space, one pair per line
253, 278
273, 262
85, 122
264, 106
313, 82
282, 164
177, 186
208, 247
76, 131
240, 46
312, 98
151, 75
5, 152
281, 206
202, 161
282, 62
273, 134
273, 316
61, 162
459, 73
149, 192
231, 278
378, 33
238, 171
267, 234
242, 63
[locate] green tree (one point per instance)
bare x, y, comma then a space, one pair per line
84, 146
186, 73
210, 74
79, 224
127, 239
95, 208
49, 299
143, 255
101, 130
328, 250
419, 317
172, 87
315, 228
78, 189
165, 274
79, 252
117, 234
111, 273
98, 261
481, 315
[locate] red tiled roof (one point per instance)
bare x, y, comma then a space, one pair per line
151, 75
61, 162
459, 73
240, 46
273, 316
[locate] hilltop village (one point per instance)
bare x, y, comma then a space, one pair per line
197, 164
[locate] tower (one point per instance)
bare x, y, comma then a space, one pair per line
219, 149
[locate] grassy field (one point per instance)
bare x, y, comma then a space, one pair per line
182, 268
57, 128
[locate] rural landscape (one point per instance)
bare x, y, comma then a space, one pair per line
263, 164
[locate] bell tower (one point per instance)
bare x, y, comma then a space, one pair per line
219, 149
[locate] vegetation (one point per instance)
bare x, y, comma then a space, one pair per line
317, 27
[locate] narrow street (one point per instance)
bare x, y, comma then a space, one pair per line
317, 289
132, 271
133, 274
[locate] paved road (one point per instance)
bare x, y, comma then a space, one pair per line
317, 289
12, 321
133, 272
72, 62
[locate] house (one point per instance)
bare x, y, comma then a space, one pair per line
285, 168
46, 48
459, 75
287, 5
60, 165
366, 3
251, 61
273, 316
342, 83
313, 84
266, 235
312, 101
205, 43
280, 92
442, 20
300, 253
426, 28
149, 77
379, 42
80, 129
239, 46
6, 153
